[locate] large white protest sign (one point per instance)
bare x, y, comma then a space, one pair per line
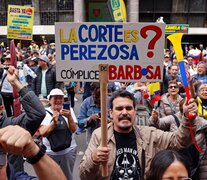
133, 51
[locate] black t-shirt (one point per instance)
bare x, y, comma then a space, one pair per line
126, 166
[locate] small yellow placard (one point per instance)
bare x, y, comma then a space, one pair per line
20, 22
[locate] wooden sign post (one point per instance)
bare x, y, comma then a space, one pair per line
103, 79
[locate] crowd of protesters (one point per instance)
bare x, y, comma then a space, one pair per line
36, 65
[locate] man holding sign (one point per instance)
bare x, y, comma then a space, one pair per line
130, 149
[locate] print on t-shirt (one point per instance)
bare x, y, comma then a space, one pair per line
126, 166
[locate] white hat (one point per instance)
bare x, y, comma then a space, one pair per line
52, 44
166, 56
55, 92
44, 58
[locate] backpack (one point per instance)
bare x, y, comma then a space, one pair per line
60, 138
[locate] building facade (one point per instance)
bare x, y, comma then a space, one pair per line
47, 12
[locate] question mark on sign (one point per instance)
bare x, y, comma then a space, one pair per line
152, 43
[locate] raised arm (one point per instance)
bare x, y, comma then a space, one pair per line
45, 130
71, 124
162, 109
16, 140
34, 111
166, 123
180, 138
13, 78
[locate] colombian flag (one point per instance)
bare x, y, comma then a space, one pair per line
154, 90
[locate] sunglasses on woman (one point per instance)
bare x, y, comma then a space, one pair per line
170, 87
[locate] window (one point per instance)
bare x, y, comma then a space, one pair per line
65, 5
52, 11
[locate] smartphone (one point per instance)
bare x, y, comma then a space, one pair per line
66, 105
99, 114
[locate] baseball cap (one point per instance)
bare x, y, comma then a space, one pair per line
44, 58
52, 44
34, 59
55, 92
31, 59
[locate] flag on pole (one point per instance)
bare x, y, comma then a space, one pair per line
16, 102
154, 90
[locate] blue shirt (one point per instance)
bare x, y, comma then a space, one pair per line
20, 175
88, 108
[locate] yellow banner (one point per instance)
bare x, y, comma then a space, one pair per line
118, 10
20, 22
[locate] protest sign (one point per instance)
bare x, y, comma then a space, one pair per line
20, 22
133, 51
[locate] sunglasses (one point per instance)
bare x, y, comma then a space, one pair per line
170, 87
